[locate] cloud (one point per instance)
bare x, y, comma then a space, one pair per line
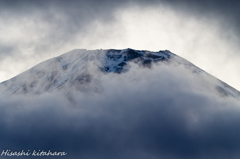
34, 31
163, 112
160, 114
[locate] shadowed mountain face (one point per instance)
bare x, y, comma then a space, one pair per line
80, 70
117, 59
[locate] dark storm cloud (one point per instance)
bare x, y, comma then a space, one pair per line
155, 116
64, 20
56, 22
225, 10
7, 49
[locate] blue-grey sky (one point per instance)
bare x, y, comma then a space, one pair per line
155, 117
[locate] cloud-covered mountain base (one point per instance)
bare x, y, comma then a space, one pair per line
162, 112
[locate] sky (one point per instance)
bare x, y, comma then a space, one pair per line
141, 113
204, 32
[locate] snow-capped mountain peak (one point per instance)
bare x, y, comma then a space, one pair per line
71, 71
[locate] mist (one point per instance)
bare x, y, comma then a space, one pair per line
159, 112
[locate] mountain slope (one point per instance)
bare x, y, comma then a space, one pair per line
76, 70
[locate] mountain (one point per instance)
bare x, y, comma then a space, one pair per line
121, 104
76, 70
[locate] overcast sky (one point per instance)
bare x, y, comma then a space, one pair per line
204, 32
175, 116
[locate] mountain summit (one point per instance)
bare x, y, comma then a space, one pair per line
79, 70
123, 104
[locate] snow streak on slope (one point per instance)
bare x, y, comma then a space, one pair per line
80, 70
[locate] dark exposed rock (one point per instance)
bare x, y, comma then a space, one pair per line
222, 92
120, 59
65, 67
147, 63
84, 78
